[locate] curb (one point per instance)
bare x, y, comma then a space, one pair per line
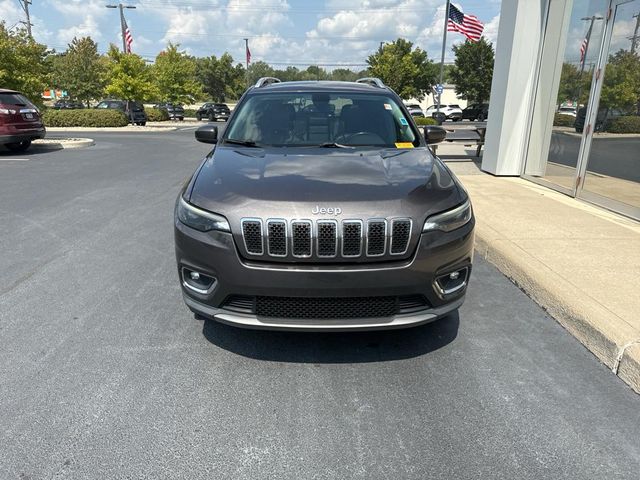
584, 319
63, 143
145, 129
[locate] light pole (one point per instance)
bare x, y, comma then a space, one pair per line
123, 27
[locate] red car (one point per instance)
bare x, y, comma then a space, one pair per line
20, 121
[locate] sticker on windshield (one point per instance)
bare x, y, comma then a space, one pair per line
404, 145
403, 121
387, 106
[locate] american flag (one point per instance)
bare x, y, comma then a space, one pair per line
128, 38
583, 49
468, 25
248, 55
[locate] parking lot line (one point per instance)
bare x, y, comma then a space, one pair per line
14, 159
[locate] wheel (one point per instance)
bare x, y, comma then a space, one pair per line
19, 147
198, 117
142, 124
212, 117
481, 118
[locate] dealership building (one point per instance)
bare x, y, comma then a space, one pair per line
584, 56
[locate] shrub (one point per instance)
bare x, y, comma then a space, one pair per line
425, 121
157, 115
560, 120
85, 118
626, 124
190, 112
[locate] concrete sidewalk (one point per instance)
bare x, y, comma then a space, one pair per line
579, 262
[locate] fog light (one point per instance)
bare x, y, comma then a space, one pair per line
452, 282
197, 281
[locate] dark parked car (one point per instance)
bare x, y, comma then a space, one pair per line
133, 110
67, 105
477, 111
323, 218
20, 121
174, 110
214, 112
604, 116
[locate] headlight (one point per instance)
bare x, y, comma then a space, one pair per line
449, 220
200, 219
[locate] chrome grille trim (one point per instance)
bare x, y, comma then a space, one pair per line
319, 248
353, 222
394, 236
270, 242
293, 238
368, 237
326, 238
246, 221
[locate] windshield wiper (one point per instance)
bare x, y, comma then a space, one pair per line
244, 143
333, 145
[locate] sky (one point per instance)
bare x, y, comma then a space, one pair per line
280, 32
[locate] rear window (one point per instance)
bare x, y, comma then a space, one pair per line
298, 119
454, 106
15, 99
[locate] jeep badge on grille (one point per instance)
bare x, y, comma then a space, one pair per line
318, 210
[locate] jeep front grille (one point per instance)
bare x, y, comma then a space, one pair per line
326, 238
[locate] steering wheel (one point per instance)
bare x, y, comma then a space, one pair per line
364, 138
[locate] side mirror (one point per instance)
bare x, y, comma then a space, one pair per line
434, 134
207, 134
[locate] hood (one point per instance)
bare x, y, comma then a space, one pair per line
247, 182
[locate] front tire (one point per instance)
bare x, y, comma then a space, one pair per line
212, 117
198, 117
19, 146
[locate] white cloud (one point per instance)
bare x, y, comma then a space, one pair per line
87, 28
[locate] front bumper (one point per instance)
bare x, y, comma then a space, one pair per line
215, 254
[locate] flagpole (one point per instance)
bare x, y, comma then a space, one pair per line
444, 46
246, 58
584, 56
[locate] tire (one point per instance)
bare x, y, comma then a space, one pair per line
19, 146
198, 117
212, 117
142, 124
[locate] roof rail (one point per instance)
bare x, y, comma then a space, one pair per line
266, 81
373, 81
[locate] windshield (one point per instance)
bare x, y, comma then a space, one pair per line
298, 119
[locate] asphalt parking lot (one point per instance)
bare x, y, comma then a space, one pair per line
104, 373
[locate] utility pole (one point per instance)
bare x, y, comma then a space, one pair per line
123, 27
25, 6
636, 37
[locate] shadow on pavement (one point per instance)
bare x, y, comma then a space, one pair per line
33, 150
346, 347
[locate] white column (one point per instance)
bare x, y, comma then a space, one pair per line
519, 40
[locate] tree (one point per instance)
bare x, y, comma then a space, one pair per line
621, 86
174, 74
129, 78
473, 70
23, 64
406, 70
219, 78
258, 70
80, 70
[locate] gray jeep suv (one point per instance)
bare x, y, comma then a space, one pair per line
321, 207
